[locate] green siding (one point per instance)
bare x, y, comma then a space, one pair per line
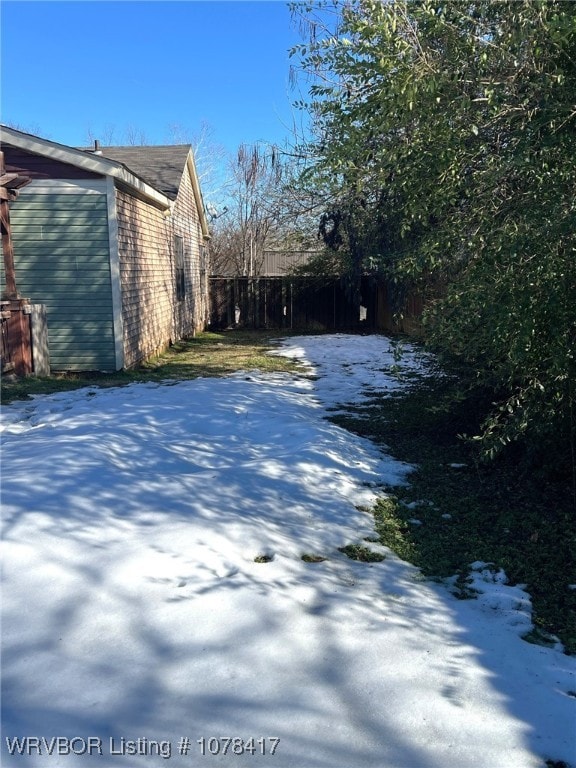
61, 253
61, 202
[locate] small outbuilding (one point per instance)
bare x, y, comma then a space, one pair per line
114, 242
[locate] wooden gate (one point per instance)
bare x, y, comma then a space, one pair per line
16, 337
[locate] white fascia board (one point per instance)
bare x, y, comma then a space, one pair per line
198, 195
85, 160
123, 175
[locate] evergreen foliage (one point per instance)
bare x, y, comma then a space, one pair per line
444, 138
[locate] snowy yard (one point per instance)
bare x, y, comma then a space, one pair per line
138, 627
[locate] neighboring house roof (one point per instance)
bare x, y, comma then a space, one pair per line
159, 166
140, 168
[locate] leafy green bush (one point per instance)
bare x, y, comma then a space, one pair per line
443, 147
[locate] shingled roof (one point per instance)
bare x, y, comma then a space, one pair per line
160, 166
152, 171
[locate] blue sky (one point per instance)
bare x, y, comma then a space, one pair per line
74, 69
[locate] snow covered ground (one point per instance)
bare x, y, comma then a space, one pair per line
138, 628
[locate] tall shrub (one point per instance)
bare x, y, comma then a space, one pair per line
454, 124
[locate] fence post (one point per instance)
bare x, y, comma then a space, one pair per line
40, 349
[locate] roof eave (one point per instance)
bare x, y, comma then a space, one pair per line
198, 195
85, 160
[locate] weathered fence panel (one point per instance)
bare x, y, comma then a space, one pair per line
23, 338
291, 302
399, 312
16, 337
40, 348
313, 304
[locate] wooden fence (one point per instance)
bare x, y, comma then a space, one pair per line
398, 311
312, 304
15, 337
299, 303
23, 338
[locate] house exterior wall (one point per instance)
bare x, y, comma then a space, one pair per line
153, 315
101, 255
146, 278
61, 251
186, 223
